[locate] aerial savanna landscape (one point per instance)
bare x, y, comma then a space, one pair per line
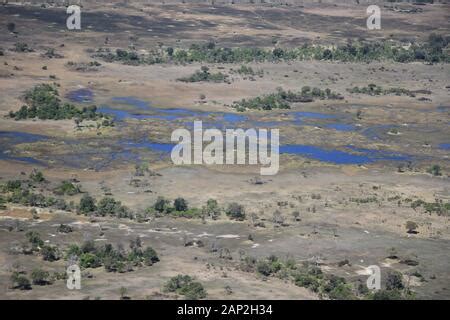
87, 117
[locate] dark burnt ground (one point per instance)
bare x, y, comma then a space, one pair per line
150, 26
109, 22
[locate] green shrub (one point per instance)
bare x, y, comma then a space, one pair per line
12, 185
109, 206
193, 291
337, 289
40, 277
235, 211
37, 176
269, 266
64, 228
161, 205
87, 204
67, 188
20, 281
435, 170
73, 250
150, 256
180, 204
89, 260
35, 239
212, 209
307, 281
50, 253
184, 285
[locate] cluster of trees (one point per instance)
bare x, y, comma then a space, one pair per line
179, 208
107, 206
186, 286
43, 102
282, 99
204, 75
432, 50
88, 255
394, 290
112, 259
374, 90
235, 211
305, 275
40, 277
438, 206
124, 56
326, 285
20, 192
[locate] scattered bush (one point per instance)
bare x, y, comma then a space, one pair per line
113, 260
269, 266
438, 206
375, 90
